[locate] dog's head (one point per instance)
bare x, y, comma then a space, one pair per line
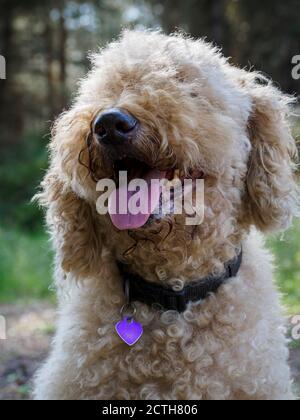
158, 106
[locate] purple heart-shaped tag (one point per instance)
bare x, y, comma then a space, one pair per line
129, 330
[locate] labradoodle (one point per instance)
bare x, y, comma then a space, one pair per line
150, 306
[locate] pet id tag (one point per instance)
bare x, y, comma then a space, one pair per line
129, 330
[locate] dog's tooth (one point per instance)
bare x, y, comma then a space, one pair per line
176, 174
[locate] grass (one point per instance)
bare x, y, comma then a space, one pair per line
286, 249
25, 265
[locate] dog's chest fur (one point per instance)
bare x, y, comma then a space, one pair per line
181, 356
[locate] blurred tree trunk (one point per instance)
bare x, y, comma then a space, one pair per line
172, 15
48, 41
207, 18
63, 35
6, 14
200, 18
218, 20
268, 37
11, 121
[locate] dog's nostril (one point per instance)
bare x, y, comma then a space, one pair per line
114, 124
125, 126
100, 130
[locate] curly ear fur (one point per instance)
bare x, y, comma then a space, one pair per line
71, 218
73, 228
272, 192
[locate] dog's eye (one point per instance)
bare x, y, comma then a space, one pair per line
194, 95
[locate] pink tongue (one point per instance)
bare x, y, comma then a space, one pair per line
119, 201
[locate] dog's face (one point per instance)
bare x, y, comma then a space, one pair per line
168, 107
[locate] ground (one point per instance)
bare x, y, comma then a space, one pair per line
29, 332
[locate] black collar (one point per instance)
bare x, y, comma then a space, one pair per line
167, 299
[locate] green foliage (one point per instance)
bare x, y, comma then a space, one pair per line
297, 125
25, 265
286, 249
20, 174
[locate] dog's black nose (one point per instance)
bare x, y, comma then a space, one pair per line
114, 125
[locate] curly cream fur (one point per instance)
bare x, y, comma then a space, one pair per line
196, 111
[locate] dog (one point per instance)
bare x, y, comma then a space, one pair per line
152, 307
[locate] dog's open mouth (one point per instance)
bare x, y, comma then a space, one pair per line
138, 193
134, 169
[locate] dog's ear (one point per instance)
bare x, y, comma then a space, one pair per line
71, 218
73, 227
272, 192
